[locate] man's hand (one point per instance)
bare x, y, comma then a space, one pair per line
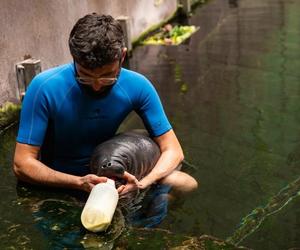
132, 184
87, 182
145, 182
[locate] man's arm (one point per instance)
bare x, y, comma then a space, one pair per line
166, 170
171, 157
28, 168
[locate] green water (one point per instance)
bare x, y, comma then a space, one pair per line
232, 93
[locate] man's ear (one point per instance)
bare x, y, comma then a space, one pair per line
124, 52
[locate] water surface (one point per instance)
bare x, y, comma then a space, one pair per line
232, 94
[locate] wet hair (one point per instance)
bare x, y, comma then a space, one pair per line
96, 40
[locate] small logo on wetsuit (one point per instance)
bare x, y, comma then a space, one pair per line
96, 114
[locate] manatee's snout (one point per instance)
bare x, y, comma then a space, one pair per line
111, 170
118, 171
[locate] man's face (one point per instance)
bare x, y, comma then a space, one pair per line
99, 80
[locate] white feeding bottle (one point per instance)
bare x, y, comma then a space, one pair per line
99, 209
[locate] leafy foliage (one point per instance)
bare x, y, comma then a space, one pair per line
170, 35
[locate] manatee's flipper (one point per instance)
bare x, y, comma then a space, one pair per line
131, 202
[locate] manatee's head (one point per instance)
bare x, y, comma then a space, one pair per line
105, 166
107, 161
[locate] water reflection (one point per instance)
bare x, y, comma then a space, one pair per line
237, 117
253, 221
55, 214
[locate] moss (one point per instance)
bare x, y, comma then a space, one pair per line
9, 114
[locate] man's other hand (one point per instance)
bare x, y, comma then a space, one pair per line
87, 182
131, 184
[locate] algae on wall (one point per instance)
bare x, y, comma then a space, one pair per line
9, 114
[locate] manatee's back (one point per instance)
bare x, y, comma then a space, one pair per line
134, 150
141, 152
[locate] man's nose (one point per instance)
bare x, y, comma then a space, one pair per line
96, 85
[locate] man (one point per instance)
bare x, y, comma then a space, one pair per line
68, 110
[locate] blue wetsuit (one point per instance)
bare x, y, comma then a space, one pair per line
68, 124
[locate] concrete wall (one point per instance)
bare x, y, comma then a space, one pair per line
40, 28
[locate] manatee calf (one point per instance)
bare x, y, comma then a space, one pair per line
133, 151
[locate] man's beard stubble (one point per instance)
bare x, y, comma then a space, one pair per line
104, 91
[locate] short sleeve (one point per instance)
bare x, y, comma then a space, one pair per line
34, 115
150, 109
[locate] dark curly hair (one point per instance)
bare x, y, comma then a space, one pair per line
96, 40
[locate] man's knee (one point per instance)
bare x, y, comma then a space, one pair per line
180, 182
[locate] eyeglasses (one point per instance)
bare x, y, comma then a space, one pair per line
100, 80
104, 81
